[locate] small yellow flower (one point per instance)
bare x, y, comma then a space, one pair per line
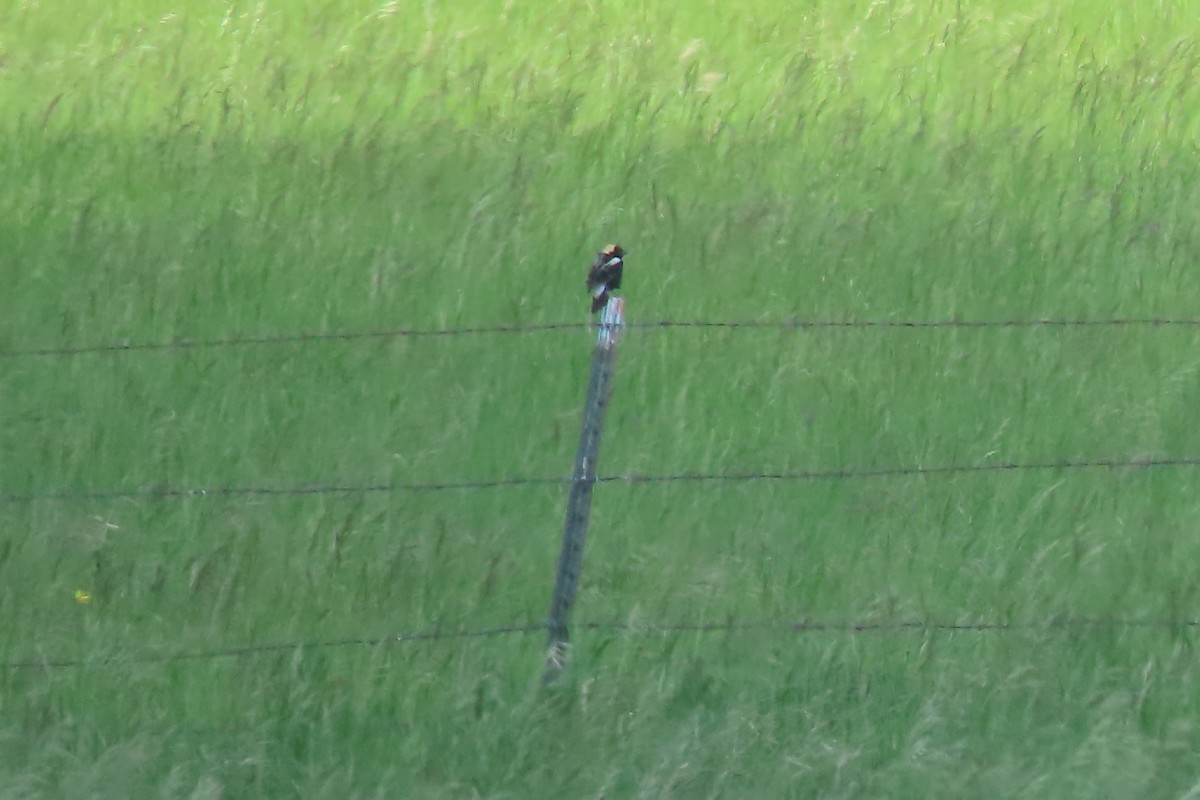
82, 597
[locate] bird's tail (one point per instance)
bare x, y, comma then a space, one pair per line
599, 301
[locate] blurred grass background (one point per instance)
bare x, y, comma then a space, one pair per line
186, 170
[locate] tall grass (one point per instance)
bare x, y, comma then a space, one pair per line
250, 169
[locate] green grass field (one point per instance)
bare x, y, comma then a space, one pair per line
221, 170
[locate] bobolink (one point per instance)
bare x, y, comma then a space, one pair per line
605, 275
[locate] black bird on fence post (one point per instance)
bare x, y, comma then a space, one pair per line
605, 275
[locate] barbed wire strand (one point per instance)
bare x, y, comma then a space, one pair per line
803, 626
791, 324
160, 492
271, 647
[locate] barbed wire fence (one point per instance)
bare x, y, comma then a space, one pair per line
777, 628
790, 324
165, 493
806, 626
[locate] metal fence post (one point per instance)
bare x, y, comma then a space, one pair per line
583, 480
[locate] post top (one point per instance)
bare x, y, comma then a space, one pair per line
611, 320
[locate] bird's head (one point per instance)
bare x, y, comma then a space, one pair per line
612, 251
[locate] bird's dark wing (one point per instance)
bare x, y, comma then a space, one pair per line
608, 274
594, 277
607, 271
